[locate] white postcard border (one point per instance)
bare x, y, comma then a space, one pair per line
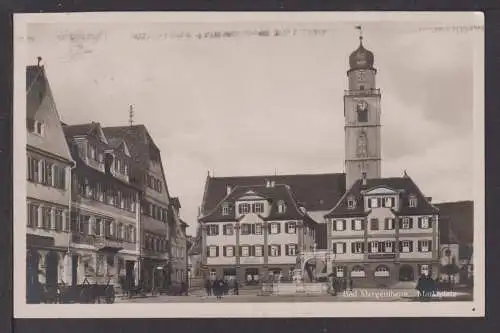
473, 308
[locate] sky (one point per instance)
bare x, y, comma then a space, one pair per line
246, 104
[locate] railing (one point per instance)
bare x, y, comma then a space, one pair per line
82, 239
362, 92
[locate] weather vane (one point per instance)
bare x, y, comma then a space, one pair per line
358, 27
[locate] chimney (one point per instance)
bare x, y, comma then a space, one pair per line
364, 178
228, 189
428, 199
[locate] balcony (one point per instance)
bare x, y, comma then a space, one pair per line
365, 92
104, 243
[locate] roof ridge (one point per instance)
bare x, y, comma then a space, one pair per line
283, 175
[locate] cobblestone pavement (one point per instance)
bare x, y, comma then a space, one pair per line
366, 295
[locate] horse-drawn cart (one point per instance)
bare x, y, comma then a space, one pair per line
86, 293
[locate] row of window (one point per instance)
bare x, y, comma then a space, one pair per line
154, 183
389, 202
46, 173
389, 223
106, 193
88, 225
405, 246
46, 217
155, 243
274, 250
154, 211
256, 208
251, 229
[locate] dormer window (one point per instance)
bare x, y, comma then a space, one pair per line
225, 209
281, 207
258, 207
351, 203
244, 208
413, 201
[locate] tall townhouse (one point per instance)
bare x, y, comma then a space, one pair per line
177, 244
105, 214
383, 231
254, 227
147, 173
48, 187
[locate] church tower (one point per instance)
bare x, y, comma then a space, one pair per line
362, 118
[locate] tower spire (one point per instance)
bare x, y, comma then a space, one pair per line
131, 115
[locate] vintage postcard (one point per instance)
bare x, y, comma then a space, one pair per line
249, 164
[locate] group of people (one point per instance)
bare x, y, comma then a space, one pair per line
220, 287
427, 286
341, 284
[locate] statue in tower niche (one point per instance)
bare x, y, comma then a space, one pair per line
362, 150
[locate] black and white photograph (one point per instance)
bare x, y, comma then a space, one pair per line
248, 164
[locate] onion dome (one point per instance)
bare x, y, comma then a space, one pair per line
361, 58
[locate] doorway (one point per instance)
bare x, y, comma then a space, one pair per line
52, 264
406, 273
74, 269
129, 274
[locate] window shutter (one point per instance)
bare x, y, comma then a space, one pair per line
400, 246
286, 227
369, 203
393, 202
393, 246
216, 251
430, 245
419, 245
353, 224
363, 247
419, 222
386, 223
353, 249
334, 225
287, 249
344, 224
269, 228
224, 230
279, 228
370, 247
379, 202
344, 245
430, 221
217, 230
400, 222
224, 251
334, 247
207, 249
411, 246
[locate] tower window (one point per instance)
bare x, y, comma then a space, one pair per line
362, 110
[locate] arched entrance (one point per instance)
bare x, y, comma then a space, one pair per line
310, 270
406, 273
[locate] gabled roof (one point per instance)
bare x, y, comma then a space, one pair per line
273, 194
316, 192
41, 107
403, 185
456, 222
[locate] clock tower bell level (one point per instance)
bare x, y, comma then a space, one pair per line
362, 118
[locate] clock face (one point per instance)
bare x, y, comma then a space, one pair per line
360, 75
362, 105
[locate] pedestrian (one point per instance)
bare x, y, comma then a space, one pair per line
218, 288
236, 287
351, 284
208, 287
